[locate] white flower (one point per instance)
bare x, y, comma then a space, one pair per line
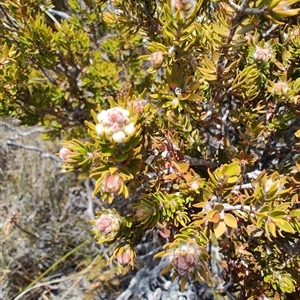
194, 185
281, 87
119, 136
99, 129
125, 112
129, 129
102, 116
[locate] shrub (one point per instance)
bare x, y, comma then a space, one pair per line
204, 148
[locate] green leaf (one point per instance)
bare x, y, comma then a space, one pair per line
272, 228
121, 157
295, 213
233, 169
277, 214
284, 225
166, 269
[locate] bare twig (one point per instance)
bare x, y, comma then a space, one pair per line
196, 162
59, 13
34, 148
23, 133
89, 210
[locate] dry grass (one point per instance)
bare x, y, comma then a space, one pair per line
47, 249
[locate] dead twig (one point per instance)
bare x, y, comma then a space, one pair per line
34, 148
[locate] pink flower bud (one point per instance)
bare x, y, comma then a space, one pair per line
137, 106
183, 5
185, 259
64, 153
124, 257
117, 115
157, 59
104, 224
280, 87
116, 127
112, 184
107, 224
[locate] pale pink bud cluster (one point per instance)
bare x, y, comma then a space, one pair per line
185, 259
280, 88
65, 153
262, 54
156, 59
112, 184
124, 256
108, 224
115, 124
184, 6
295, 32
194, 185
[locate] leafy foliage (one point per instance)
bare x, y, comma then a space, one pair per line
203, 145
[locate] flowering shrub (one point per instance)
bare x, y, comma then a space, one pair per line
201, 139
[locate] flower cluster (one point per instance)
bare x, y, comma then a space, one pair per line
263, 54
115, 124
185, 259
107, 225
280, 88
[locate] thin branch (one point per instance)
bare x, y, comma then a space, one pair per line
247, 208
12, 22
89, 210
196, 162
23, 133
59, 13
34, 148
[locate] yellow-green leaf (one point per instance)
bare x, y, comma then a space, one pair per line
277, 214
183, 283
230, 220
284, 225
272, 228
219, 229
